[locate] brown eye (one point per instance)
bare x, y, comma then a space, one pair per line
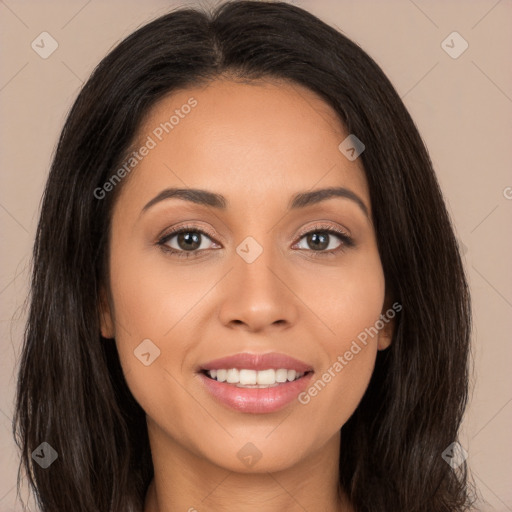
185, 242
188, 240
318, 240
322, 240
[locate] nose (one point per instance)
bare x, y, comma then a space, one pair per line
258, 296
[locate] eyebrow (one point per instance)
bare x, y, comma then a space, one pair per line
300, 200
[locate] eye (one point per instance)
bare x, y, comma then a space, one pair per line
189, 241
319, 240
185, 242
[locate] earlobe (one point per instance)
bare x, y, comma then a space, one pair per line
106, 323
386, 333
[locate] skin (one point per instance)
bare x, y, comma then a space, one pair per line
257, 144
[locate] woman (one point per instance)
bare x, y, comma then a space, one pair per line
247, 293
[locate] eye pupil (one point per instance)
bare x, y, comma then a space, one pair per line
314, 239
189, 237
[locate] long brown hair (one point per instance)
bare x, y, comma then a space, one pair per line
71, 390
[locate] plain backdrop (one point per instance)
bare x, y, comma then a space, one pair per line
461, 103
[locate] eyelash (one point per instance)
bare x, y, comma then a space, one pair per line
346, 240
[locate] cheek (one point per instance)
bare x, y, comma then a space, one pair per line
347, 299
156, 301
350, 304
358, 305
148, 303
150, 297
336, 391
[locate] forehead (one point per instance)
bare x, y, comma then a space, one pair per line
267, 138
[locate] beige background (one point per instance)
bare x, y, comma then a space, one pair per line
461, 106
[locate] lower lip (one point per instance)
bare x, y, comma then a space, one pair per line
256, 400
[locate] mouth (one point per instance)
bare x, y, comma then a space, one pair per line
253, 379
255, 383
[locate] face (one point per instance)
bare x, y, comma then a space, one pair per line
256, 271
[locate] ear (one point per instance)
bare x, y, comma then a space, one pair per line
106, 317
388, 319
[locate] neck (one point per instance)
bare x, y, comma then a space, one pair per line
185, 482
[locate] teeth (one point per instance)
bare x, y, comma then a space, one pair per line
247, 377
253, 378
265, 377
233, 376
281, 375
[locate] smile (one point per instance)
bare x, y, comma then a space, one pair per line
255, 383
254, 379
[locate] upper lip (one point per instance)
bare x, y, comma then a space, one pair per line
267, 361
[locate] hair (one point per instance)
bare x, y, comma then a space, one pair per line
71, 391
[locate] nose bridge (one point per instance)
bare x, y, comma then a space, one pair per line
256, 295
254, 263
